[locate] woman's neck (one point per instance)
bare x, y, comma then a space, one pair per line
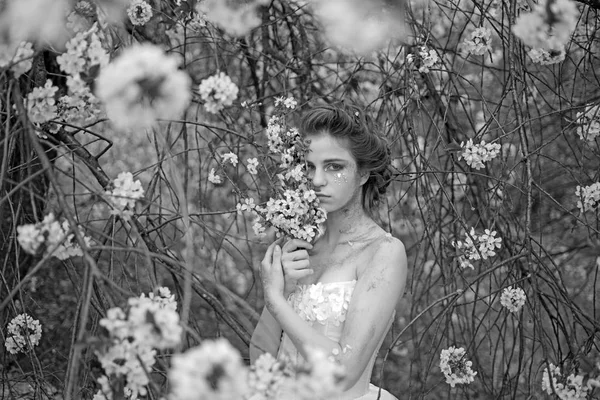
345, 224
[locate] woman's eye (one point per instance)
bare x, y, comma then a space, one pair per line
334, 167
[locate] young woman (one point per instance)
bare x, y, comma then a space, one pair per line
340, 293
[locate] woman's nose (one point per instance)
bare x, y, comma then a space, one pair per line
318, 178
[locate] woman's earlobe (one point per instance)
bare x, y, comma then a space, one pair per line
364, 177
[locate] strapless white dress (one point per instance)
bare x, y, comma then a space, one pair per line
324, 307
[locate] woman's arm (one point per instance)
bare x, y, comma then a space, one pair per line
266, 336
375, 295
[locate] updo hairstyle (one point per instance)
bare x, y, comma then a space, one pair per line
371, 152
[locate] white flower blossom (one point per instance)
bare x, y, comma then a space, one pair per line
214, 178
274, 131
571, 388
251, 165
124, 194
455, 367
230, 157
217, 91
143, 85
266, 378
50, 234
34, 20
479, 43
478, 247
320, 377
287, 102
588, 123
588, 197
150, 322
513, 299
258, 228
79, 107
162, 330
23, 333
213, 370
548, 26
358, 26
544, 57
139, 12
477, 154
245, 205
235, 18
20, 58
41, 105
428, 59
84, 51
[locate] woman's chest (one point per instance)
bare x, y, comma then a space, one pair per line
336, 265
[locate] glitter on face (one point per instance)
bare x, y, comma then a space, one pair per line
339, 178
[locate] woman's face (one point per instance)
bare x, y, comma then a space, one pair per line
333, 171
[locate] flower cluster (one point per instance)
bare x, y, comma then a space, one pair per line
124, 194
287, 102
428, 59
84, 53
143, 85
545, 57
455, 367
214, 178
320, 377
41, 104
588, 197
569, 388
359, 26
139, 12
477, 247
479, 43
23, 333
477, 154
588, 123
79, 107
295, 213
266, 377
217, 91
230, 157
252, 165
513, 299
213, 370
294, 210
149, 323
237, 18
20, 58
548, 26
48, 235
33, 20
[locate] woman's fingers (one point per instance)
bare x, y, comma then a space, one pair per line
277, 256
295, 255
297, 269
293, 244
268, 258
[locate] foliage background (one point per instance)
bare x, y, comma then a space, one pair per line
527, 195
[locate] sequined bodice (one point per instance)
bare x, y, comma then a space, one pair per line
324, 306
323, 303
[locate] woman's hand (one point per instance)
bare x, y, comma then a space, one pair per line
295, 262
271, 271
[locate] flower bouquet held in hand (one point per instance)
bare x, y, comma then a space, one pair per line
294, 209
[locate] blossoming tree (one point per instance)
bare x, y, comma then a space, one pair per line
149, 153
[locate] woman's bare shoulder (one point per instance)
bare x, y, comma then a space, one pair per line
385, 253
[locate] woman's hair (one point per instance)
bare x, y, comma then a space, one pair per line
371, 152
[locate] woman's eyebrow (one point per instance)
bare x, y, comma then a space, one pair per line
334, 160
